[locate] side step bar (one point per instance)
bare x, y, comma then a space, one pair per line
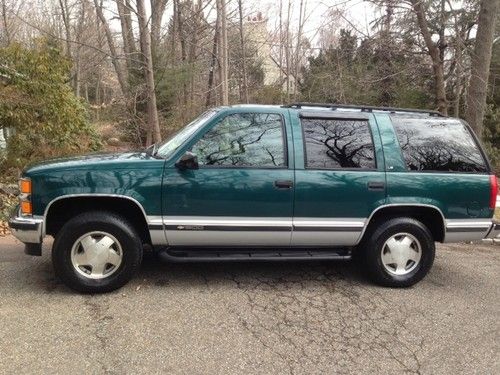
242, 255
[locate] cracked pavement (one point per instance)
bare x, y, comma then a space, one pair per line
253, 318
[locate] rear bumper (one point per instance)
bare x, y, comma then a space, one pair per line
494, 233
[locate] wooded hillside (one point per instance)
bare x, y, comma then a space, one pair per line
79, 75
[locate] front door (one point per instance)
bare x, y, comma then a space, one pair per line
242, 193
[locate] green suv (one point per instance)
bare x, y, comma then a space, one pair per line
252, 182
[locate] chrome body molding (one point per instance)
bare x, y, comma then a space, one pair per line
227, 231
460, 230
389, 205
68, 196
326, 232
156, 230
259, 231
37, 235
157, 234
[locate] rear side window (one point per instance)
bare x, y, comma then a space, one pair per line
437, 145
338, 143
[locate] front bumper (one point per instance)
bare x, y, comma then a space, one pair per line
28, 230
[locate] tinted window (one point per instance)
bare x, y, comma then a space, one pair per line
243, 140
438, 145
338, 143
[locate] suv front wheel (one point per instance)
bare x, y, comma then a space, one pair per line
96, 252
399, 252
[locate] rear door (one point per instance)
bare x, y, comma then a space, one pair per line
242, 193
339, 178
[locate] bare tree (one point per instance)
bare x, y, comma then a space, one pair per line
213, 62
157, 11
129, 47
243, 54
223, 51
288, 57
122, 79
302, 11
66, 14
434, 52
5, 22
145, 41
480, 69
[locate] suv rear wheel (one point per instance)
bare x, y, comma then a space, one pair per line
399, 252
96, 252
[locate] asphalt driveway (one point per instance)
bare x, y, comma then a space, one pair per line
261, 318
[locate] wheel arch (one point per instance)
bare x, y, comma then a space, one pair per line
431, 216
64, 207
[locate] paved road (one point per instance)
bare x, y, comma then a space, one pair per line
253, 318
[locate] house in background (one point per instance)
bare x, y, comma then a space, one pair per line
268, 48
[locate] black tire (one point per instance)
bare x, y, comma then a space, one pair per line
372, 247
124, 233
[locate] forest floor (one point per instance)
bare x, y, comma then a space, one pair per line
260, 318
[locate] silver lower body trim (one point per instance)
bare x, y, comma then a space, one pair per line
227, 231
327, 232
465, 230
241, 231
156, 231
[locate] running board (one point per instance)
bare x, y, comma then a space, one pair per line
205, 255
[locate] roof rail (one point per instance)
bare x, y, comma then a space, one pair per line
362, 108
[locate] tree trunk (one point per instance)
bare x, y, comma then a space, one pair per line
127, 32
182, 39
5, 23
211, 73
193, 50
297, 49
145, 39
243, 55
287, 51
435, 54
223, 52
281, 50
63, 5
157, 11
481, 59
122, 80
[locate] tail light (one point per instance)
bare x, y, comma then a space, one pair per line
493, 191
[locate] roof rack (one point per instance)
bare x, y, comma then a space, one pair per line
362, 108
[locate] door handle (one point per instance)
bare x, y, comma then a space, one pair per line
376, 185
283, 184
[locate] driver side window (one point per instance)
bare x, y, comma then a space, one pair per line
244, 140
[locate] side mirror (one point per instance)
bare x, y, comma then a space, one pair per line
187, 161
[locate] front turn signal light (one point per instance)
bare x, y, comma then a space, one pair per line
26, 208
25, 186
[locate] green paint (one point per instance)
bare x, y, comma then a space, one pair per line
164, 190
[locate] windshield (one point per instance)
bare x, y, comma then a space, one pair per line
168, 147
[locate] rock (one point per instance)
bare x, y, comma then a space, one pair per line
113, 141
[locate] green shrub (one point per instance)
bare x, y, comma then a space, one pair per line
39, 106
